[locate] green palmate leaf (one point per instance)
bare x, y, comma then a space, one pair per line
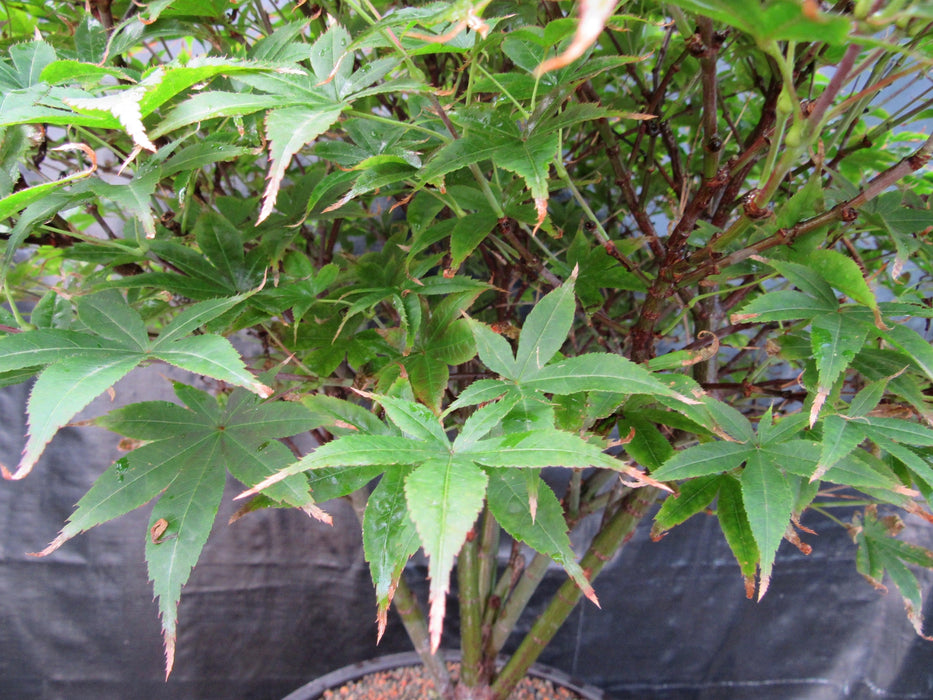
735, 425
213, 356
494, 350
918, 464
879, 552
188, 507
733, 521
785, 305
545, 532
539, 448
768, 502
195, 316
108, 315
595, 372
483, 421
545, 330
840, 437
844, 274
153, 420
187, 462
807, 280
444, 498
917, 349
414, 420
216, 104
62, 390
898, 430
288, 130
773, 21
835, 341
693, 497
481, 391
467, 233
389, 537
644, 442
45, 346
704, 459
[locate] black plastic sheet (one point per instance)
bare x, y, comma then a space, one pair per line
278, 599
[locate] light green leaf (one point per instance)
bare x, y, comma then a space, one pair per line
46, 346
467, 233
355, 449
188, 506
840, 437
835, 342
211, 355
546, 532
595, 371
331, 61
539, 448
195, 316
545, 330
784, 305
701, 460
153, 420
217, 104
62, 390
844, 274
389, 537
916, 348
444, 498
130, 482
807, 280
107, 314
768, 502
647, 445
288, 130
483, 421
732, 421
415, 420
898, 430
494, 350
481, 391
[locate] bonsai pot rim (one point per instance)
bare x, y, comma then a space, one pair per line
348, 674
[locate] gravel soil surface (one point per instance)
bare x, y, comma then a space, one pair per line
411, 683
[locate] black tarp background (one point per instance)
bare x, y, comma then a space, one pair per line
278, 599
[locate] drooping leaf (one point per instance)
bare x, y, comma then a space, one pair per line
62, 390
694, 496
545, 531
768, 502
389, 537
444, 498
733, 521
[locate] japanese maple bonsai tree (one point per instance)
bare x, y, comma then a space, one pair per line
678, 249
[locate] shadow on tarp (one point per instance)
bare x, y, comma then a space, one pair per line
278, 599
